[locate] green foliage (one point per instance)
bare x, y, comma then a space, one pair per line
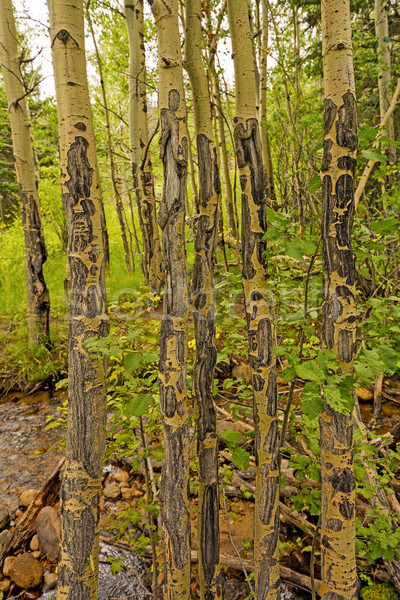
379, 591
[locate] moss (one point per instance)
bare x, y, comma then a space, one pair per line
379, 591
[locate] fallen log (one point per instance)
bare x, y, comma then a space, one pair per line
25, 528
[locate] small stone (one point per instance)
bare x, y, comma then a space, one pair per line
4, 537
50, 581
8, 563
27, 497
130, 493
111, 491
18, 513
26, 571
123, 485
365, 395
34, 545
48, 532
4, 518
101, 504
4, 585
289, 491
36, 554
121, 476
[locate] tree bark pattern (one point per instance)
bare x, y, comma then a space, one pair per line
254, 276
203, 310
142, 171
35, 247
80, 492
339, 311
174, 404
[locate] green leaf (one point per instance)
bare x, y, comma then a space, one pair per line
374, 155
314, 184
138, 405
294, 249
231, 435
312, 407
132, 362
241, 458
310, 371
385, 226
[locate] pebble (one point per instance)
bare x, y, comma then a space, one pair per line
50, 581
27, 497
242, 370
111, 491
34, 545
365, 394
130, 493
48, 532
36, 554
121, 476
8, 563
26, 571
4, 585
4, 518
4, 537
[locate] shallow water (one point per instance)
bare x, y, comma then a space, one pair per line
22, 433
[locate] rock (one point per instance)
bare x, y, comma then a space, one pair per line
50, 581
48, 532
4, 537
242, 370
4, 585
34, 545
123, 485
111, 491
289, 491
8, 563
249, 474
18, 513
4, 518
121, 476
27, 497
26, 571
365, 395
129, 493
36, 554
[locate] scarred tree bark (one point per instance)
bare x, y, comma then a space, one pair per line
174, 404
142, 171
80, 494
267, 159
339, 311
260, 327
203, 310
35, 247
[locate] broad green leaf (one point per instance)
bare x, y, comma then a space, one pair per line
310, 371
132, 362
231, 435
294, 249
139, 404
241, 458
314, 184
374, 155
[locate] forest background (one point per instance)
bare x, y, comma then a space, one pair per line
294, 123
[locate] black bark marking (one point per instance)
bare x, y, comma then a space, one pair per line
205, 169
325, 542
347, 123
327, 155
330, 111
258, 382
334, 525
266, 503
344, 190
343, 480
81, 126
345, 345
63, 35
210, 524
346, 509
272, 393
79, 547
348, 163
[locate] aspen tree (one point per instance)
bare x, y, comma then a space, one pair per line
261, 336
35, 247
203, 309
143, 178
339, 311
81, 486
385, 70
267, 159
174, 404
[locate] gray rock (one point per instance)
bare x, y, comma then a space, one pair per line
48, 532
4, 518
50, 581
111, 491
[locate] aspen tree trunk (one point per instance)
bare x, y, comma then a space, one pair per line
203, 310
174, 404
117, 197
142, 171
338, 527
385, 70
35, 247
261, 336
267, 159
81, 486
